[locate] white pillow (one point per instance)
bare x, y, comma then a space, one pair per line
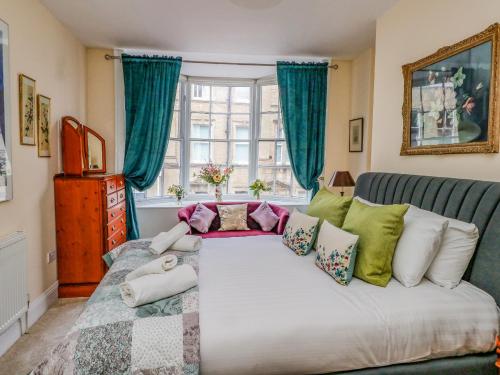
336, 252
418, 245
457, 248
299, 232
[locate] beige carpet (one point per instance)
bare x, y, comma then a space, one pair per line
31, 348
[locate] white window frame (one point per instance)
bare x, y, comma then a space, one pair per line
253, 141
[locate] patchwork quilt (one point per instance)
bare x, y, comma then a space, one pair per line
110, 338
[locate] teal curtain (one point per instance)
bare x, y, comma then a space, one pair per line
302, 92
150, 88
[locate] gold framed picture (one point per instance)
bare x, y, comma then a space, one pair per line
27, 129
43, 120
451, 98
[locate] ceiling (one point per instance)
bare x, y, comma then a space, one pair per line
338, 28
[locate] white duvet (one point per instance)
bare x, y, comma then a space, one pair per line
265, 310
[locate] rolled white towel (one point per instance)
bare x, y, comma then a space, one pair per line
187, 243
164, 240
153, 287
159, 265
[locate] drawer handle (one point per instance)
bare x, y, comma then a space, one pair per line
112, 200
111, 186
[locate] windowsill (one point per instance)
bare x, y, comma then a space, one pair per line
169, 203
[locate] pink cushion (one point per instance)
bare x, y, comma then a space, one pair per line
265, 216
236, 233
201, 218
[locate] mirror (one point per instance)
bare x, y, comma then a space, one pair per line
95, 158
94, 152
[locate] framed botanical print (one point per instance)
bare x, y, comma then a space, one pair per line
27, 128
356, 135
5, 129
451, 98
43, 111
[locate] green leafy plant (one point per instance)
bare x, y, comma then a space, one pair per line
259, 186
177, 190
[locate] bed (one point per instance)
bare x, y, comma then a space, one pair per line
264, 310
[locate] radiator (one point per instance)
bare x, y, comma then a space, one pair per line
13, 289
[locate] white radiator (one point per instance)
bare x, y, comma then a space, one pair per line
13, 289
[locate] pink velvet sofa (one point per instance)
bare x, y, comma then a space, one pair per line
185, 213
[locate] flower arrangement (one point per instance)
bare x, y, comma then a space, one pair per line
177, 190
216, 176
259, 186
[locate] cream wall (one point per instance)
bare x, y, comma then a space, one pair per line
361, 106
101, 100
407, 32
42, 48
338, 114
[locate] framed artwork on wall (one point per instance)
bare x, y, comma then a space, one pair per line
5, 129
27, 128
356, 135
43, 120
451, 98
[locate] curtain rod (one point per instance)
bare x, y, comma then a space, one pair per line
111, 57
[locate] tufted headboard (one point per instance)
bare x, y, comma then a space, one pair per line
465, 200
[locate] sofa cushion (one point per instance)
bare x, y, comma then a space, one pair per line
265, 216
202, 218
233, 217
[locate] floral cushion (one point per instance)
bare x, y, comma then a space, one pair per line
233, 217
336, 250
299, 232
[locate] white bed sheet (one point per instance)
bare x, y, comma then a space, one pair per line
265, 310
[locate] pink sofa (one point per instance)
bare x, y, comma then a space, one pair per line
185, 213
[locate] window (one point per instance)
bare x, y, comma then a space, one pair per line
234, 124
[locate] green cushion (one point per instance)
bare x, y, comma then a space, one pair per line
379, 229
330, 207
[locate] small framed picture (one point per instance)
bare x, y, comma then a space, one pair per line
356, 135
43, 111
27, 128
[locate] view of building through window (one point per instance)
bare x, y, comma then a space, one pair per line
214, 123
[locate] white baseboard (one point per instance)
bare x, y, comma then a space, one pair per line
36, 309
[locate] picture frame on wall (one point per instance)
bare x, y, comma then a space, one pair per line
5, 123
43, 111
451, 98
27, 119
356, 135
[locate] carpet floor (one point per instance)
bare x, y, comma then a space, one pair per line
46, 333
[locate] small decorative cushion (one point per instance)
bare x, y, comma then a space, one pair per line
330, 207
265, 216
201, 218
300, 232
379, 229
233, 217
336, 252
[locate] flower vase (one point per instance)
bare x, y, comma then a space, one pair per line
218, 193
257, 195
179, 200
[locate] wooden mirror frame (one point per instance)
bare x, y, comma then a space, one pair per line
492, 33
74, 148
87, 169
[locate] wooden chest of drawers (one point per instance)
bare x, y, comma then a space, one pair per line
90, 221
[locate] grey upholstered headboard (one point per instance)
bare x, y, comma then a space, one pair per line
466, 200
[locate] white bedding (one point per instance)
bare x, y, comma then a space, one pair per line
265, 310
